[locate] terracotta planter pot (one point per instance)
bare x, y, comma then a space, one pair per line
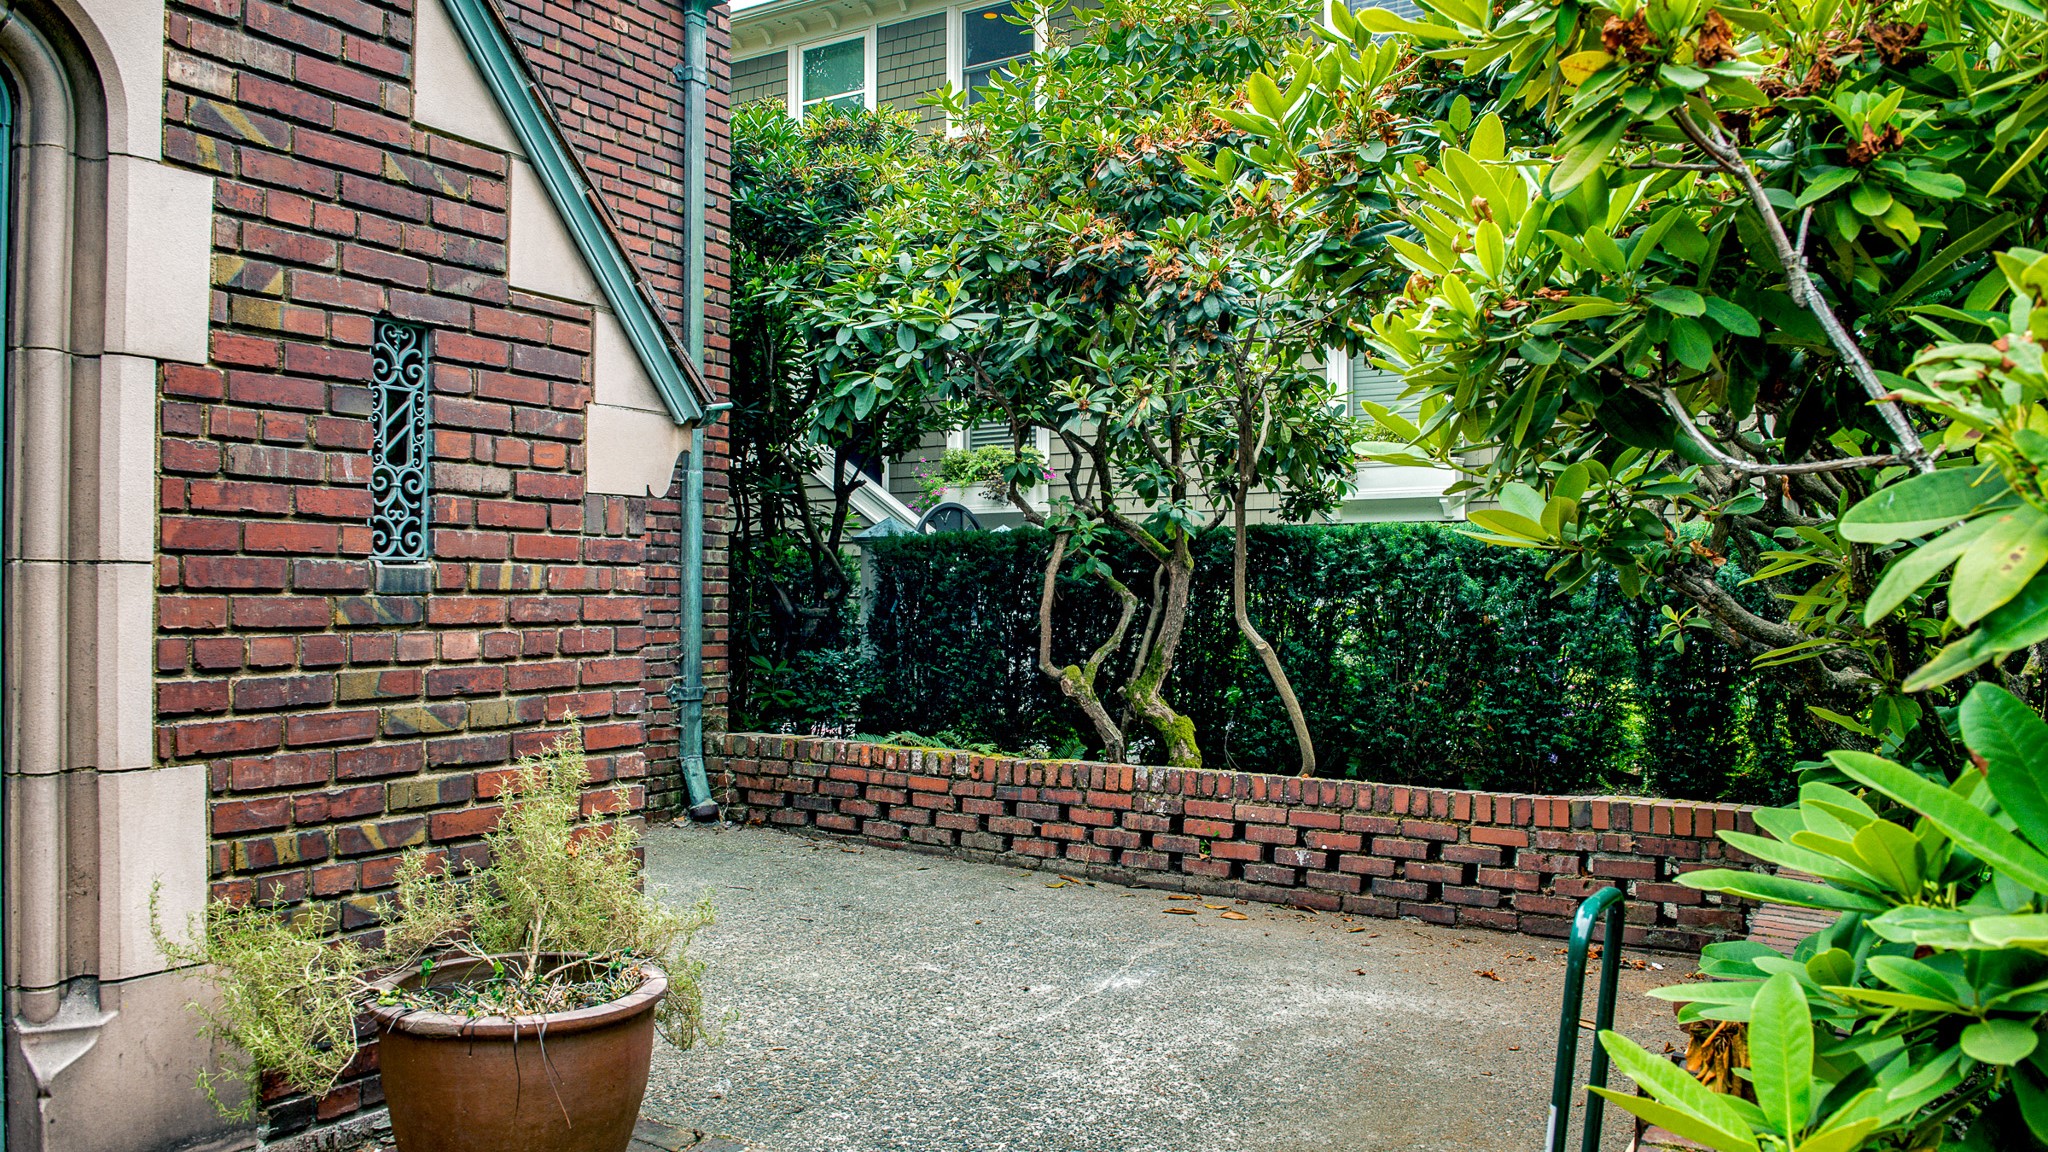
563, 1082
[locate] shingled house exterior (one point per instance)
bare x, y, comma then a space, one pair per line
360, 357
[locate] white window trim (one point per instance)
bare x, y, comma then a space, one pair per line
796, 51
956, 46
956, 41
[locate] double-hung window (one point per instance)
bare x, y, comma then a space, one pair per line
989, 39
836, 74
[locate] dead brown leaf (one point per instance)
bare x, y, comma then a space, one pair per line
1235, 916
1180, 911
1489, 973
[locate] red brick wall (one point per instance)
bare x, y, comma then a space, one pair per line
340, 726
1475, 859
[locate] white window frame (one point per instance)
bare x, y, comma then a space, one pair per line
796, 66
956, 40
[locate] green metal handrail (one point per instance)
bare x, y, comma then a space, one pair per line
1607, 901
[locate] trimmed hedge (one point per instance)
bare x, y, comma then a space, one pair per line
1420, 656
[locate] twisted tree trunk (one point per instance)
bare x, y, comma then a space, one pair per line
1249, 450
1077, 682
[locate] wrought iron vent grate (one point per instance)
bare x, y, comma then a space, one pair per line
400, 370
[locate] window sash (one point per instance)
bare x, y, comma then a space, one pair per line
988, 41
827, 79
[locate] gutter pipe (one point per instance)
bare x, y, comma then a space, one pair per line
688, 692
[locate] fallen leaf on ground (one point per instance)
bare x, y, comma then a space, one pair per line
1358, 971
1486, 972
1354, 929
1057, 884
1235, 916
1178, 896
1215, 907
1179, 911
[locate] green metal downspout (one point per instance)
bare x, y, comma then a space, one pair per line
688, 692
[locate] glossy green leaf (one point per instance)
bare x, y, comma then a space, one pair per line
1892, 855
1733, 317
1963, 821
1679, 301
2013, 741
2003, 1041
1921, 504
1585, 158
1779, 890
1826, 865
1933, 927
1917, 566
2000, 563
1584, 311
1508, 523
2030, 1087
1781, 1053
2025, 931
1674, 1088
1913, 978
1870, 199
1831, 966
1680, 1123
1691, 344
1890, 999
1844, 1139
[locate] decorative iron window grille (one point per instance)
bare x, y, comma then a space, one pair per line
399, 370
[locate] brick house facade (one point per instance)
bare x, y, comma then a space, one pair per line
213, 687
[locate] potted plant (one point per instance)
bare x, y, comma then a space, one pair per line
514, 1004
979, 478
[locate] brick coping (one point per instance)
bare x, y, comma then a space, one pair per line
1517, 862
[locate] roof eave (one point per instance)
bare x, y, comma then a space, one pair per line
676, 379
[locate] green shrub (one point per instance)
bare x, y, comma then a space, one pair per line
1419, 655
1914, 1021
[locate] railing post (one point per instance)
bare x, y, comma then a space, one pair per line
1607, 901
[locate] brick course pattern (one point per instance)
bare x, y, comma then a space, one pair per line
1472, 859
339, 726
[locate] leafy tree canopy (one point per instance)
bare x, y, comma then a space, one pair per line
1680, 282
1061, 268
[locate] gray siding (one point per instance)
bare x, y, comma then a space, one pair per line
911, 60
1063, 21
1380, 387
761, 78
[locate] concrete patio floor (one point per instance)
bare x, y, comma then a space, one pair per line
888, 1000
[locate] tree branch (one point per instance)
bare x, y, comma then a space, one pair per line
1805, 292
1685, 421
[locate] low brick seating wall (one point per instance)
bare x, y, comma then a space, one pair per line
1482, 859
